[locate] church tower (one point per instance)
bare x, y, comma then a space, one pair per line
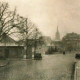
57, 36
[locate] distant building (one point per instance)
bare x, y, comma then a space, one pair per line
71, 41
57, 36
47, 42
57, 42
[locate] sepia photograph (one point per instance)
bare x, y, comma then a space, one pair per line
39, 40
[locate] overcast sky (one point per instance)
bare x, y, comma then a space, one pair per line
48, 14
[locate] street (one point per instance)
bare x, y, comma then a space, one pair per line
51, 67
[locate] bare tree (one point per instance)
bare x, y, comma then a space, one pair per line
9, 20
11, 23
30, 33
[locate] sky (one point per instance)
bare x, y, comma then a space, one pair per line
48, 14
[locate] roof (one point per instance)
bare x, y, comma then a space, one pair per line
8, 41
71, 36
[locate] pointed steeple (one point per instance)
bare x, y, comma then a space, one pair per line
57, 29
57, 36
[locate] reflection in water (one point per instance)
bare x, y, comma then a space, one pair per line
51, 67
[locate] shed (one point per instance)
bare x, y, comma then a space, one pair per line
9, 48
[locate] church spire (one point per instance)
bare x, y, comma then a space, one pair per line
57, 29
57, 37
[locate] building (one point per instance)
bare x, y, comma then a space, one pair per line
38, 45
71, 41
9, 48
57, 36
57, 42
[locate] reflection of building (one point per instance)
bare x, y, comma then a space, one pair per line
71, 41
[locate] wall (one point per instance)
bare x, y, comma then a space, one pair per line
13, 52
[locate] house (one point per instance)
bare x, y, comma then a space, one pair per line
9, 48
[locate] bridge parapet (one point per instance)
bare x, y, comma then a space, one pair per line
77, 71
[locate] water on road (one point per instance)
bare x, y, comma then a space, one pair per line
51, 67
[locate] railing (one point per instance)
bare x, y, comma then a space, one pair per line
77, 71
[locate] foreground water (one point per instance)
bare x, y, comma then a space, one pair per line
51, 67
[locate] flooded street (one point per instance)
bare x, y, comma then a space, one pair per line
51, 67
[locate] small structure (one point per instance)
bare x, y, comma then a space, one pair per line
34, 47
9, 48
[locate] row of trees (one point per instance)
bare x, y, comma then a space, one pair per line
12, 23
